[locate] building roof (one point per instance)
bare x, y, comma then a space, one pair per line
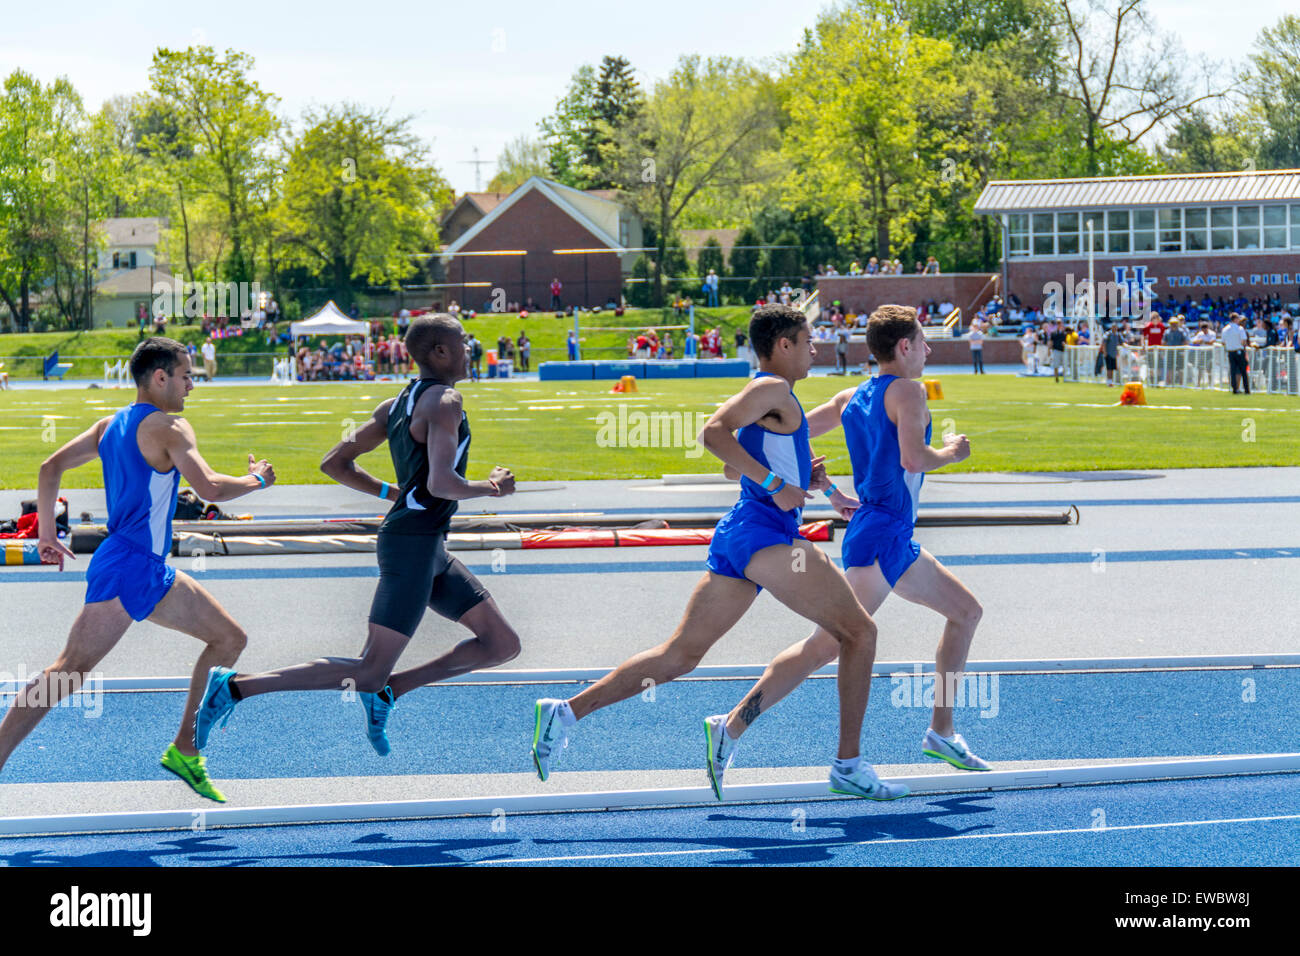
1280, 185
583, 207
693, 239
134, 282
139, 232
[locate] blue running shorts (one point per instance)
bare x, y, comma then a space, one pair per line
120, 569
879, 536
749, 527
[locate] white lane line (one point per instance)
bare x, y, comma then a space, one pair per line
886, 842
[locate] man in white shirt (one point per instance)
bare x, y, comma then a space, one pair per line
1234, 343
209, 360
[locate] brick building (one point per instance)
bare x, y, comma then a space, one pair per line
542, 231
1221, 234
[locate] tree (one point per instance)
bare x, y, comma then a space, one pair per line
36, 131
520, 160
875, 109
1275, 92
230, 126
617, 101
699, 131
565, 131
1125, 78
1204, 143
359, 198
710, 257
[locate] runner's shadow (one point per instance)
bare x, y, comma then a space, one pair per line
796, 846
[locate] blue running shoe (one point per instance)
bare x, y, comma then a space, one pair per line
377, 710
216, 705
952, 749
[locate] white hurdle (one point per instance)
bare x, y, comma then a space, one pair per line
119, 370
282, 372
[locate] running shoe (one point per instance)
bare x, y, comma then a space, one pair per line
216, 705
194, 771
549, 736
722, 749
863, 782
377, 710
952, 749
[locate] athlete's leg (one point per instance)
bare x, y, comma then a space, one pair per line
802, 578
95, 632
494, 642
365, 674
792, 666
187, 607
930, 584
715, 606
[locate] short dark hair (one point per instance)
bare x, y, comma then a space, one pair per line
888, 326
155, 352
772, 323
426, 332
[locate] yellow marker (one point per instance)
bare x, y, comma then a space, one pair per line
933, 390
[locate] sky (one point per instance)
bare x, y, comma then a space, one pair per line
471, 75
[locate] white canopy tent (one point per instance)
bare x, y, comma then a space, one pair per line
329, 321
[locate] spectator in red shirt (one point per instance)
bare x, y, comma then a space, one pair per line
555, 293
1155, 331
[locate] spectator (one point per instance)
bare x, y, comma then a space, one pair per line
572, 344
873, 266
1029, 350
1154, 331
556, 288
668, 345
711, 289
403, 320
842, 350
1234, 343
1057, 338
1110, 352
976, 338
1176, 338
742, 344
854, 268
920, 268
931, 266
525, 350
210, 359
688, 350
354, 312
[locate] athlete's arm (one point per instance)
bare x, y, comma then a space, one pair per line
826, 417
757, 400
82, 449
340, 462
905, 403
442, 441
211, 485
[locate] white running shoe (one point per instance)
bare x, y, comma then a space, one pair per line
549, 736
863, 782
721, 750
952, 749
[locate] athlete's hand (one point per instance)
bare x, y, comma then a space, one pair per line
790, 497
819, 481
505, 481
958, 446
263, 468
52, 550
844, 505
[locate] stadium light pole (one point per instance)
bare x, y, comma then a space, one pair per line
1092, 291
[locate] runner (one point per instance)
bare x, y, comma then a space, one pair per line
887, 430
428, 437
757, 545
145, 448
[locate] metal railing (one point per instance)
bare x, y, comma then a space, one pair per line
1273, 370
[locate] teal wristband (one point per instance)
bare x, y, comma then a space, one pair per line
260, 480
767, 482
383, 490
830, 491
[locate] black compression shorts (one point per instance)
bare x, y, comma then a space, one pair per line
415, 572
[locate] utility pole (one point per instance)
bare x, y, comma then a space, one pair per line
478, 173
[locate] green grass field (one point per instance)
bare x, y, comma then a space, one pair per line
555, 430
22, 353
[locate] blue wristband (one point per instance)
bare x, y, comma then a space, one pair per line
774, 491
383, 490
830, 491
767, 482
260, 480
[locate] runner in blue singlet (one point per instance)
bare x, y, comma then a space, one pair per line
887, 429
146, 448
762, 435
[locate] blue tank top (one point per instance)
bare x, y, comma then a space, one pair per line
787, 455
878, 475
141, 501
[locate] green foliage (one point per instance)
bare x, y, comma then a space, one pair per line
710, 257
520, 160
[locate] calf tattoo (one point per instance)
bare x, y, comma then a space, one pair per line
749, 712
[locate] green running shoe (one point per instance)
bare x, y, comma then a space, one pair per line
194, 771
863, 782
